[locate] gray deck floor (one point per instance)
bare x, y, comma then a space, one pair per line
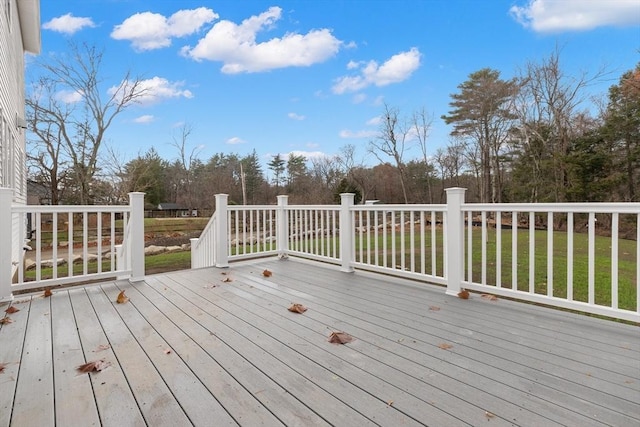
189, 348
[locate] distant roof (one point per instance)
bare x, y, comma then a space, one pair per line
170, 207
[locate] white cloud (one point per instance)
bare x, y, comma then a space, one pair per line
347, 134
307, 154
576, 15
359, 98
157, 89
295, 116
235, 140
396, 69
148, 31
147, 118
375, 121
69, 96
68, 24
236, 47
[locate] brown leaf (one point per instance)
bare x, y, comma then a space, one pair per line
445, 346
47, 293
2, 366
167, 351
122, 298
489, 297
489, 415
227, 280
340, 338
434, 308
102, 347
94, 366
12, 310
464, 294
5, 320
297, 308
267, 273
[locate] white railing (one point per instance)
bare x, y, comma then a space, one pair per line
44, 246
530, 252
541, 252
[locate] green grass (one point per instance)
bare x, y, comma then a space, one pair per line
627, 268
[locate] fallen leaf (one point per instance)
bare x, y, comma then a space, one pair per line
434, 308
489, 297
227, 280
2, 366
464, 294
94, 366
267, 273
445, 346
224, 273
12, 310
5, 320
390, 403
167, 351
210, 286
297, 308
47, 293
102, 347
340, 338
122, 298
489, 415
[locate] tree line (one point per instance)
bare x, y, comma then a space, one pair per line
537, 137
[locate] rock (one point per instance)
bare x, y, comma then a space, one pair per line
154, 250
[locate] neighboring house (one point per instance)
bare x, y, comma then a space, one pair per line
167, 210
19, 33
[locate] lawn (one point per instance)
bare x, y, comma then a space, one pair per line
627, 268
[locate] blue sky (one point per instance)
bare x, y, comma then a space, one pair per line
312, 76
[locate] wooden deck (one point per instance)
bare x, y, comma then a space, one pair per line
189, 348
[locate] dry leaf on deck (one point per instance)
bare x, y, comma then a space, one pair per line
489, 297
297, 308
5, 320
2, 366
464, 294
434, 308
102, 347
340, 338
445, 346
167, 351
227, 280
267, 273
122, 298
95, 366
488, 414
12, 310
47, 293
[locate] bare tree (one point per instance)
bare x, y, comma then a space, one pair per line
546, 110
69, 130
421, 124
186, 161
392, 141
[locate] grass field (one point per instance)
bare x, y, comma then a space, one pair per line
627, 268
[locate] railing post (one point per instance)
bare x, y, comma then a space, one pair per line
136, 237
346, 232
221, 232
6, 242
282, 226
454, 234
195, 258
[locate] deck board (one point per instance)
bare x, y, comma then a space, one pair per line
192, 349
71, 408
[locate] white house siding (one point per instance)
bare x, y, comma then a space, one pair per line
19, 32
